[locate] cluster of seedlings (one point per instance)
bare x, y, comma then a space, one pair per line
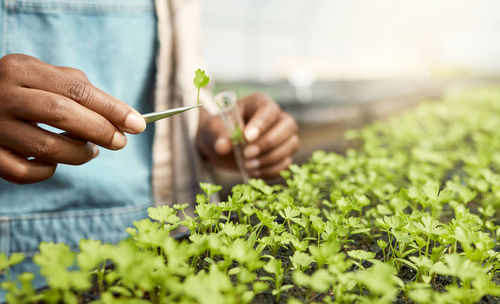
412, 215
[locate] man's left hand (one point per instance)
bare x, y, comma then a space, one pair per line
270, 136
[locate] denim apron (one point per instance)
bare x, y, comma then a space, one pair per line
114, 43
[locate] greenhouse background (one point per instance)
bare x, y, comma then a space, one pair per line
337, 65
259, 40
392, 197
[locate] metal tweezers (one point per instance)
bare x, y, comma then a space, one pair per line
152, 117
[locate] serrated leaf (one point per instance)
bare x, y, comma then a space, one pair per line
163, 214
200, 79
431, 189
361, 254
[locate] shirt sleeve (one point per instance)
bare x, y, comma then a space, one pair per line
189, 54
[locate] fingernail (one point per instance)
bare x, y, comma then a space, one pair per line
95, 150
119, 140
252, 164
251, 133
251, 151
135, 123
222, 145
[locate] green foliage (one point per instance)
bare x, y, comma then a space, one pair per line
14, 259
200, 80
163, 214
237, 136
411, 215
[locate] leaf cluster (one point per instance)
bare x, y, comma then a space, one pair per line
411, 215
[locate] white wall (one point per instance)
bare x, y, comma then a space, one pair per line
331, 39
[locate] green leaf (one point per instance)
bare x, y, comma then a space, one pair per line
16, 258
163, 214
274, 267
361, 254
209, 188
381, 280
4, 261
237, 136
260, 185
200, 79
382, 244
260, 286
54, 256
234, 231
431, 189
301, 259
90, 255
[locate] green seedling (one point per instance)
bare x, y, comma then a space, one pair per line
410, 215
200, 80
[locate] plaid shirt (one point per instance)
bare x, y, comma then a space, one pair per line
177, 167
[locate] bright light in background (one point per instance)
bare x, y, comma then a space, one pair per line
350, 39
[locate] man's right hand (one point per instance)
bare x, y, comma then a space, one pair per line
33, 92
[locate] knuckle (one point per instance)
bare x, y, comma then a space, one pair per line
47, 147
111, 108
13, 63
79, 91
57, 109
77, 73
262, 97
263, 100
273, 107
259, 95
6, 102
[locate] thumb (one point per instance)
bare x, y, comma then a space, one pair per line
215, 137
223, 145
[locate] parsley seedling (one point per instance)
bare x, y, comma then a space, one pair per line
410, 216
200, 80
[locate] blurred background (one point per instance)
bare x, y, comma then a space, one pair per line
340, 64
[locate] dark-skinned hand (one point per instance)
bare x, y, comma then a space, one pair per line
33, 92
270, 134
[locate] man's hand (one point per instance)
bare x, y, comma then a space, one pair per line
270, 136
33, 92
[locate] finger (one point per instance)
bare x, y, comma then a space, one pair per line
16, 169
288, 148
45, 146
277, 135
32, 73
223, 146
74, 72
273, 170
62, 113
224, 161
260, 113
215, 135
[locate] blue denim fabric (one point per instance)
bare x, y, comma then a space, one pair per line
113, 42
